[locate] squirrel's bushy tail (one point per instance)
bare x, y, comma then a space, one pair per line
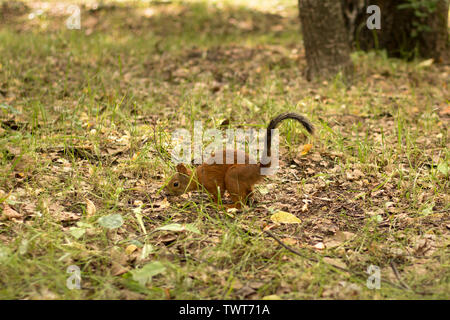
273, 124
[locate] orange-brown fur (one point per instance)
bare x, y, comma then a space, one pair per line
237, 179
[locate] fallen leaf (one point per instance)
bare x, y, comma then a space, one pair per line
58, 211
236, 284
9, 213
29, 208
289, 241
146, 250
319, 246
332, 243
355, 175
117, 269
271, 226
160, 205
284, 217
338, 239
445, 111
425, 63
168, 238
130, 249
245, 291
77, 233
231, 211
335, 262
145, 274
306, 149
112, 221
179, 227
90, 208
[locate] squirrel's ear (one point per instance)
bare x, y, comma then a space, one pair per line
182, 169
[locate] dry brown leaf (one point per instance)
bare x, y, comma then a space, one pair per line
57, 211
29, 208
271, 226
90, 208
9, 213
332, 243
355, 175
335, 262
162, 204
167, 238
445, 111
338, 239
289, 241
117, 269
344, 235
68, 216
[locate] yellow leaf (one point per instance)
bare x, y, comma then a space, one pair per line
130, 249
284, 217
306, 149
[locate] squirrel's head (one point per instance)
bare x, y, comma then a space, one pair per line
181, 181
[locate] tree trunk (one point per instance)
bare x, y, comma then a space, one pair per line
325, 38
405, 32
434, 43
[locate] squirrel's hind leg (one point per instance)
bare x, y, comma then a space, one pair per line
239, 193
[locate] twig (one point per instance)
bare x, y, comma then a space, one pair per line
356, 273
397, 275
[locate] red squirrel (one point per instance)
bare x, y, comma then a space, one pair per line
237, 179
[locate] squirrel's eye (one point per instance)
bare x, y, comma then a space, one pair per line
175, 184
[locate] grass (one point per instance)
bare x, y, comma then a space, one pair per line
78, 109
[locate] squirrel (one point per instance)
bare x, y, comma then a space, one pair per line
237, 179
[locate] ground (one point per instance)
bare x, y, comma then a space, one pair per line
85, 116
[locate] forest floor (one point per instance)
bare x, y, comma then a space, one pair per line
84, 115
